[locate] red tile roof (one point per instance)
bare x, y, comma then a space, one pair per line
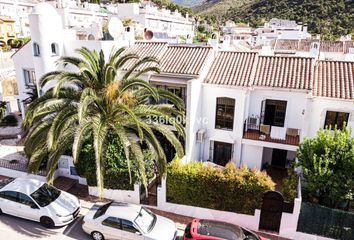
284, 72
232, 68
184, 59
145, 49
334, 79
175, 59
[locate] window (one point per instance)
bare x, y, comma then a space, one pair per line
36, 51
273, 112
55, 49
102, 210
145, 220
128, 226
30, 76
112, 222
179, 91
45, 195
225, 109
336, 119
24, 199
9, 195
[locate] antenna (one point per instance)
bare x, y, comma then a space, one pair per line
115, 27
148, 35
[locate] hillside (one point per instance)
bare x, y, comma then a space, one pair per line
330, 18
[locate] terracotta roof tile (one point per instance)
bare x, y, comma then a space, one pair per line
145, 49
183, 59
334, 79
232, 68
284, 72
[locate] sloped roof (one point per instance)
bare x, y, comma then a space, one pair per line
305, 45
284, 72
232, 68
145, 49
334, 79
183, 59
175, 59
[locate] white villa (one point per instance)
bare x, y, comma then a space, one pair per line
279, 29
82, 16
247, 107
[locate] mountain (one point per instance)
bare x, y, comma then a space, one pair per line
330, 18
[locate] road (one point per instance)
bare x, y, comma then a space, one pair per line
20, 229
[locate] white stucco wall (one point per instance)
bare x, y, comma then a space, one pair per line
296, 104
252, 156
319, 108
194, 118
210, 95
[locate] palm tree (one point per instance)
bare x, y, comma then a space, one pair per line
96, 100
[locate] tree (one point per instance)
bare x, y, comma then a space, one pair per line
96, 100
327, 162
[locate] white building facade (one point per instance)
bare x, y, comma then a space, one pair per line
246, 107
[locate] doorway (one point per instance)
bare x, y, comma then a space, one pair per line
279, 158
222, 153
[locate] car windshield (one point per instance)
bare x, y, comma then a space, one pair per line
220, 230
101, 209
145, 220
45, 195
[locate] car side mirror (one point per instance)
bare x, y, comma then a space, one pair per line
138, 233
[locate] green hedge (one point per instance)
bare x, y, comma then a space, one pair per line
231, 189
116, 174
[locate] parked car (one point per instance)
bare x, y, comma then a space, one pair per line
116, 220
36, 200
202, 229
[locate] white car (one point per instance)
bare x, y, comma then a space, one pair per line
35, 200
125, 221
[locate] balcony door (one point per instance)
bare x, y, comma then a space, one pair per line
273, 112
222, 153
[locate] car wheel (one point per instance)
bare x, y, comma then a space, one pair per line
97, 236
47, 222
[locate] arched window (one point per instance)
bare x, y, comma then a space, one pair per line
36, 51
55, 49
225, 109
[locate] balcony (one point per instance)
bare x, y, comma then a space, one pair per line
290, 136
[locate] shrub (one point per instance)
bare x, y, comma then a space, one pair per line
290, 185
116, 174
9, 121
230, 189
328, 167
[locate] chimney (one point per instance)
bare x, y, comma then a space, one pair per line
214, 41
266, 49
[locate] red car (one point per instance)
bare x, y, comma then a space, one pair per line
202, 229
